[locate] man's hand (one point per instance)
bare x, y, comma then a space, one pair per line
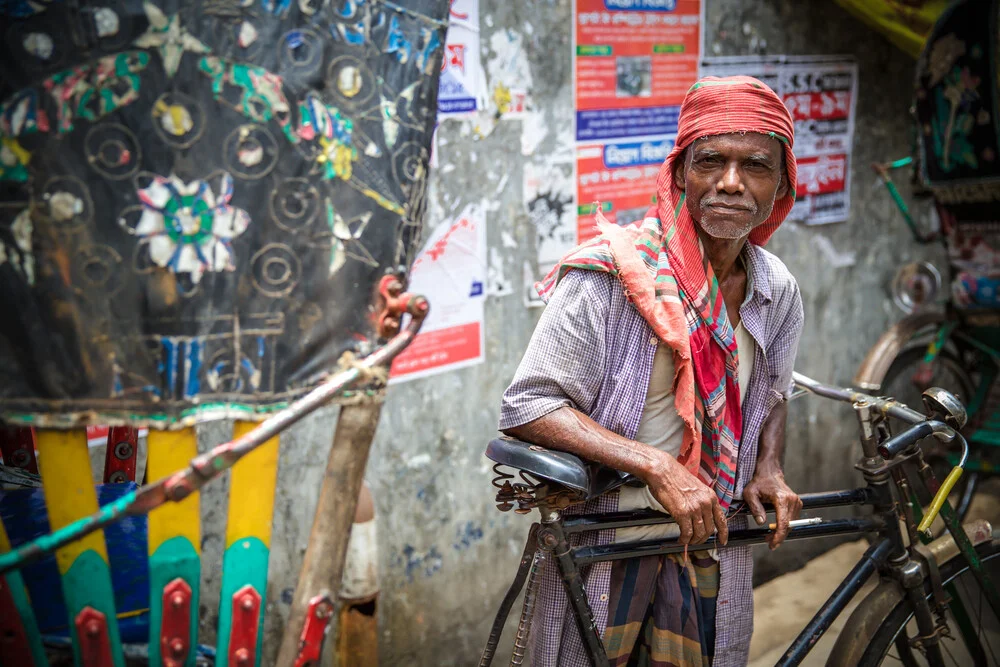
769, 484
694, 506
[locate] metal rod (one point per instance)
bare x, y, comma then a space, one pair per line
211, 464
527, 559
888, 406
747, 537
836, 603
552, 537
587, 522
520, 649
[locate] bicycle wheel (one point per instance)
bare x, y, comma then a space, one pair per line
880, 629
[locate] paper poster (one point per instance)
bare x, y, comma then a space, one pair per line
463, 86
621, 178
634, 62
820, 92
451, 272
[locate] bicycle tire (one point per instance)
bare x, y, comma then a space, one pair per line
884, 613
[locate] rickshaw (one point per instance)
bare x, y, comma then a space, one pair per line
209, 210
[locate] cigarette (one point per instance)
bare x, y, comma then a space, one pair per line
799, 522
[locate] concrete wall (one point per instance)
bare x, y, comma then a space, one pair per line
447, 554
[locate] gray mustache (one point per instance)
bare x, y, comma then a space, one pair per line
712, 201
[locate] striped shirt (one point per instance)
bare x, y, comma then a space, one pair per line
593, 351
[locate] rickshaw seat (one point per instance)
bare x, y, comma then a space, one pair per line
590, 480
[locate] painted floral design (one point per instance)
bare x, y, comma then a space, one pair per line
188, 226
168, 36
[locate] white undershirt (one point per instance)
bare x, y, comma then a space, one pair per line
661, 427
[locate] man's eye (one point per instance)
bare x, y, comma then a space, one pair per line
710, 161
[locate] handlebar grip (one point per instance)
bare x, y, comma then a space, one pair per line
946, 486
903, 441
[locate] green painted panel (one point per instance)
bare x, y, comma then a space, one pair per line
88, 583
15, 584
245, 562
174, 558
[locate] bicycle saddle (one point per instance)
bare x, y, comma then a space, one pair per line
589, 480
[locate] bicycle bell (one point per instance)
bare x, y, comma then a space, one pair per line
915, 286
945, 406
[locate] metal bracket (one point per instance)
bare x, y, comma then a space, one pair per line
17, 444
314, 630
119, 459
92, 634
175, 628
246, 620
941, 599
394, 303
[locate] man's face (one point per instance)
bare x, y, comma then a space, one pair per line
731, 182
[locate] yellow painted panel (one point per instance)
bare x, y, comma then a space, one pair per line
64, 464
251, 490
4, 542
170, 451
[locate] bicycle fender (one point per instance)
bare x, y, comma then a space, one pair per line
872, 370
877, 605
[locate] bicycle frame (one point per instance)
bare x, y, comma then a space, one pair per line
890, 492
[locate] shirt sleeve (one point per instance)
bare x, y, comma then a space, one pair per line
785, 345
565, 360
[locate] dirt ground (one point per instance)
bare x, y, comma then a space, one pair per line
784, 605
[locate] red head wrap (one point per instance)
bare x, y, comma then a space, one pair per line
725, 106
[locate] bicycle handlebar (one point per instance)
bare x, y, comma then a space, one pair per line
920, 427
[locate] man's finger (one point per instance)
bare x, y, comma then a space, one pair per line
752, 498
781, 517
685, 525
796, 507
720, 524
700, 529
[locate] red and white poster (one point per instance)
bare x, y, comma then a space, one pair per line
634, 61
451, 272
820, 92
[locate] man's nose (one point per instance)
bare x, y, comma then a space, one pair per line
730, 181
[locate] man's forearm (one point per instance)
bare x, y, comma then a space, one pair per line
569, 430
771, 445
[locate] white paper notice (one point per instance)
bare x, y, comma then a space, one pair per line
462, 89
451, 272
820, 92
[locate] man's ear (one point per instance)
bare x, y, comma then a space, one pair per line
680, 169
783, 189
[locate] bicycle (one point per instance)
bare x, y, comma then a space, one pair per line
928, 587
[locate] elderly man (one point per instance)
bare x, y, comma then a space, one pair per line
666, 351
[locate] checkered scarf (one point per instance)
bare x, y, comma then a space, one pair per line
663, 269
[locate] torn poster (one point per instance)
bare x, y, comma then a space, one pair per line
462, 89
451, 272
820, 92
550, 203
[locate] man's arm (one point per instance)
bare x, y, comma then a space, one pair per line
768, 481
693, 505
557, 384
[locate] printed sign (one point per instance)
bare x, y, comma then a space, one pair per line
620, 178
820, 93
451, 272
462, 89
634, 62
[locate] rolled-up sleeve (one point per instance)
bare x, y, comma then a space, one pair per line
565, 360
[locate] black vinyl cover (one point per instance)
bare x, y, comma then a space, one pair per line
199, 198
